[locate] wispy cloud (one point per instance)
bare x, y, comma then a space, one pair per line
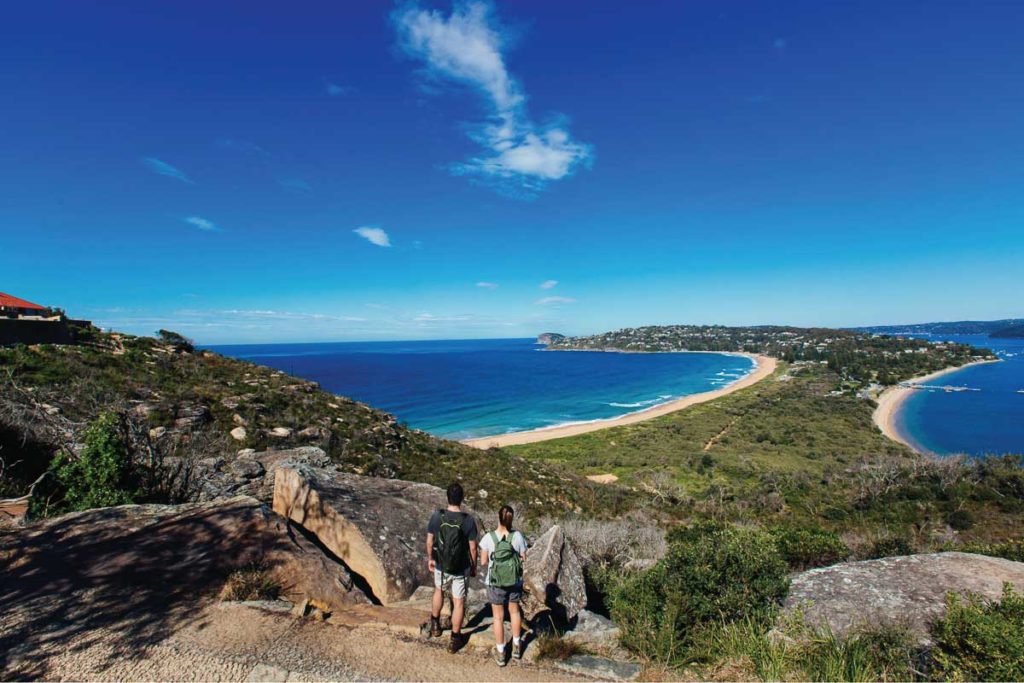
242, 146
202, 224
335, 90
430, 318
163, 168
466, 47
549, 284
554, 301
373, 235
487, 285
296, 184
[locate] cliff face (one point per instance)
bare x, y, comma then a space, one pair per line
197, 412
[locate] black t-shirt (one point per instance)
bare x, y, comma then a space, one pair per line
468, 525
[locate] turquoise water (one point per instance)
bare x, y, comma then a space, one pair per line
987, 421
473, 388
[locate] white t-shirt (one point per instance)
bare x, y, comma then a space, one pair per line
487, 544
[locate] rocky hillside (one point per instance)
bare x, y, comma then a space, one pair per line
188, 414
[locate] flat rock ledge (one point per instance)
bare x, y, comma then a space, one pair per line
908, 591
376, 526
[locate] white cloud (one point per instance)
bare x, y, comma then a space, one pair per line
374, 236
202, 224
429, 318
548, 284
554, 301
163, 168
334, 90
466, 48
487, 285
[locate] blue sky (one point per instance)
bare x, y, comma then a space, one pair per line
251, 171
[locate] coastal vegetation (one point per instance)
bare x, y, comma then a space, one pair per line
128, 419
858, 358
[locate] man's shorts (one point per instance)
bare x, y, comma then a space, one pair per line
498, 595
456, 582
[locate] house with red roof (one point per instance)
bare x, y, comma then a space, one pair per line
13, 307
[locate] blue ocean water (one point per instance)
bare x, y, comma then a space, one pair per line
990, 420
472, 388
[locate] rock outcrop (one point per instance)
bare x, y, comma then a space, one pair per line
553, 577
376, 526
908, 590
119, 568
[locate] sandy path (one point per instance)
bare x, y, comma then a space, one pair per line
765, 366
890, 400
233, 642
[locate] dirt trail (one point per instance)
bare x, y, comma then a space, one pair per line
236, 642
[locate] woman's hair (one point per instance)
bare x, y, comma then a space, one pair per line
505, 515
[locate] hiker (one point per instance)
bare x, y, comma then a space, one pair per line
502, 552
451, 547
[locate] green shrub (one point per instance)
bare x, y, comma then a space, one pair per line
1010, 550
711, 573
807, 547
891, 547
981, 640
960, 520
883, 653
102, 473
556, 647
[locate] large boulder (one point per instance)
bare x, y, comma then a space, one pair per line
553, 577
156, 558
909, 591
376, 526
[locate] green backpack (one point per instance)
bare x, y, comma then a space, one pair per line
506, 565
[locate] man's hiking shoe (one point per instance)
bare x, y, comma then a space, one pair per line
499, 657
518, 650
456, 643
435, 627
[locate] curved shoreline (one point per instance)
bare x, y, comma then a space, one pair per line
763, 367
891, 400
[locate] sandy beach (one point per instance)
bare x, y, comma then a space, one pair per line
765, 366
890, 400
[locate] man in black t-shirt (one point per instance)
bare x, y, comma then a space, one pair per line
451, 553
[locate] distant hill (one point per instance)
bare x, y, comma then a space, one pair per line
550, 338
1009, 332
958, 327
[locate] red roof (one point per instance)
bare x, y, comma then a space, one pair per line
8, 301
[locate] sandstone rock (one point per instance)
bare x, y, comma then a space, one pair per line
376, 526
907, 590
280, 432
594, 629
246, 469
246, 453
213, 463
600, 668
553, 577
239, 420
191, 417
157, 432
147, 558
312, 433
238, 434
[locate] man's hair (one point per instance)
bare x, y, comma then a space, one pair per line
455, 494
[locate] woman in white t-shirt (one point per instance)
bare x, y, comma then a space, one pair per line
502, 551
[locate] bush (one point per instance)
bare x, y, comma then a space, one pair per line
960, 520
807, 547
891, 547
102, 474
711, 573
1010, 550
558, 648
981, 640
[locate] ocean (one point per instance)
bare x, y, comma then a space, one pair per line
987, 421
474, 388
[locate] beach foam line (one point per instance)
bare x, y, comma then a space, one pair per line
761, 367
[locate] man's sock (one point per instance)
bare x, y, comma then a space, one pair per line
516, 640
500, 647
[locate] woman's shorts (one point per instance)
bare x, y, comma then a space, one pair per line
500, 595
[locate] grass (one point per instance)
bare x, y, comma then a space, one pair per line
251, 583
555, 647
789, 450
